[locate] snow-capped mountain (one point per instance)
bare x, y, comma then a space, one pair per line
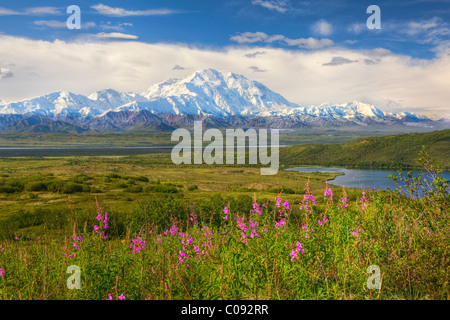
216, 93
52, 104
109, 99
205, 93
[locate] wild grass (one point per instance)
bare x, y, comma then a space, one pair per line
308, 246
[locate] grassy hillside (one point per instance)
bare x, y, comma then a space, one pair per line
375, 152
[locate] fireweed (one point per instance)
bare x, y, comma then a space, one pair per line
273, 251
199, 246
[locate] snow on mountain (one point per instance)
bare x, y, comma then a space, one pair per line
110, 99
216, 93
56, 103
203, 93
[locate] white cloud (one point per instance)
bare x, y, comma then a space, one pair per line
279, 5
61, 24
357, 28
322, 28
8, 12
434, 30
5, 73
35, 11
84, 66
88, 25
121, 12
42, 11
50, 23
250, 37
309, 43
115, 35
116, 27
306, 43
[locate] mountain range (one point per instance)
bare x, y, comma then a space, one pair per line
220, 99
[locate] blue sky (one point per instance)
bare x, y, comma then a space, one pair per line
410, 27
414, 34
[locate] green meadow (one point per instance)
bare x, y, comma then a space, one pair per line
140, 227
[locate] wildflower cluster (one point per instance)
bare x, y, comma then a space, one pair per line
225, 210
196, 250
324, 220
121, 297
328, 193
242, 226
193, 217
355, 232
343, 203
308, 200
76, 245
256, 208
305, 230
363, 202
102, 218
298, 248
283, 211
137, 245
173, 231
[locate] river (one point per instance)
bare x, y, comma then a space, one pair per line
361, 178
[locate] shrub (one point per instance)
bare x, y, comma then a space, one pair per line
80, 178
36, 186
121, 185
71, 187
134, 189
112, 176
162, 188
142, 179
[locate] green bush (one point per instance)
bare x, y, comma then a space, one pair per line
112, 176
162, 188
80, 178
142, 179
8, 189
121, 185
71, 187
285, 190
36, 186
133, 189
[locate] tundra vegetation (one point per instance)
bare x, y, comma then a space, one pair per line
139, 227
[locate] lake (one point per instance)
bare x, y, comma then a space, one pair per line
361, 178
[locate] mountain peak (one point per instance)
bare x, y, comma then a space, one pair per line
212, 92
206, 92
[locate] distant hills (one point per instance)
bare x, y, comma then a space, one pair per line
220, 99
374, 152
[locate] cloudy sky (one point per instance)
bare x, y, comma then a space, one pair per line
310, 51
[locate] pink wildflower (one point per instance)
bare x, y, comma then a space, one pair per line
225, 210
298, 248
